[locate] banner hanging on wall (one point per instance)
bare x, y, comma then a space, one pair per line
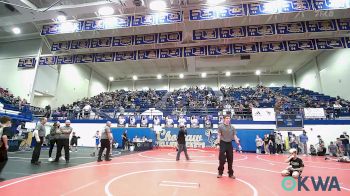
314, 113
263, 114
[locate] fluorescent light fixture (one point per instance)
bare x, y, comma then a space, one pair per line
105, 11
61, 18
181, 76
38, 94
111, 78
257, 72
289, 71
228, 74
16, 30
159, 76
247, 85
126, 88
157, 5
204, 75
215, 2
134, 77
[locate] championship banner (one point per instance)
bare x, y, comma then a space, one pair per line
195, 51
332, 43
144, 121
207, 121
47, 60
122, 56
273, 46
132, 121
170, 18
182, 121
261, 30
344, 24
232, 32
282, 7
84, 58
321, 25
245, 48
218, 12
263, 114
299, 45
290, 28
202, 14
146, 39
66, 59
170, 37
80, 44
330, 4
57, 46
347, 42
169, 121
107, 23
157, 120
157, 19
66, 27
194, 121
101, 42
123, 41
205, 34
121, 121
219, 50
148, 54
314, 113
170, 53
26, 63
104, 57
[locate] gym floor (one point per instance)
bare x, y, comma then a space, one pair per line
157, 173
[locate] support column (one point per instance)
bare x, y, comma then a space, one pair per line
36, 71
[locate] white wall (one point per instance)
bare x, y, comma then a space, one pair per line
276, 80
186, 83
46, 79
307, 77
238, 81
119, 85
98, 84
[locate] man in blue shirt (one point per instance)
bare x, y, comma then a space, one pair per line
303, 142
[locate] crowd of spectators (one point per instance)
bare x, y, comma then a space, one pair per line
8, 99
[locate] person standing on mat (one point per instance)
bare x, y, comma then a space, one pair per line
53, 138
39, 134
181, 142
226, 134
63, 141
5, 124
106, 137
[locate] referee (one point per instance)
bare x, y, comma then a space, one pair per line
226, 134
63, 141
106, 138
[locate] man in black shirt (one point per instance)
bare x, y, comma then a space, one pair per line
296, 165
5, 124
124, 140
181, 141
345, 141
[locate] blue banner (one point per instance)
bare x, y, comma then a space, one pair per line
245, 48
148, 54
332, 43
347, 42
170, 53
202, 14
144, 20
170, 18
195, 51
146, 39
218, 12
273, 46
205, 34
299, 45
122, 56
344, 24
330, 4
47, 60
123, 41
58, 46
321, 25
107, 23
101, 42
66, 59
157, 19
104, 57
219, 50
261, 30
170, 37
290, 28
84, 58
66, 27
80, 44
26, 63
232, 32
274, 7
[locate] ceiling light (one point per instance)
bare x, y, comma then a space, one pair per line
38, 94
204, 75
111, 78
61, 18
181, 76
16, 30
257, 72
134, 77
157, 5
214, 2
105, 11
289, 71
159, 76
228, 74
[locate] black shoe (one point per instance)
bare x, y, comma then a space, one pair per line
232, 177
2, 179
99, 160
219, 176
55, 161
67, 161
36, 163
108, 159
